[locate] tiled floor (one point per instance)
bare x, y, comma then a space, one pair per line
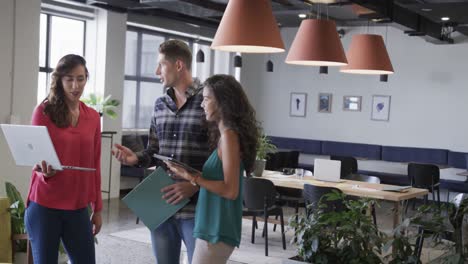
123, 241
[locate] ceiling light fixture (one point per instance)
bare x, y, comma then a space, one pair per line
269, 66
248, 26
317, 44
302, 15
445, 18
367, 55
323, 70
200, 56
237, 61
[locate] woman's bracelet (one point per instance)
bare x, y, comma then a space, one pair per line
194, 180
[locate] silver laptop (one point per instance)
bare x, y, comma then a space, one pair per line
30, 145
327, 170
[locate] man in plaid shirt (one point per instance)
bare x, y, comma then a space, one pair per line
178, 129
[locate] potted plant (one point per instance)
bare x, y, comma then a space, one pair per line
18, 229
345, 236
104, 106
264, 147
349, 236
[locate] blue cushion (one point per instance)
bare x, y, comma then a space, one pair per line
351, 149
457, 159
454, 186
307, 146
406, 154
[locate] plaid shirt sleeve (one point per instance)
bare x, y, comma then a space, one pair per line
145, 157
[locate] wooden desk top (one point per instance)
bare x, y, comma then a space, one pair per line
355, 188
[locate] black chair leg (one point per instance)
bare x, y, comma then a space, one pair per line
374, 217
274, 226
419, 242
265, 229
254, 223
438, 196
283, 237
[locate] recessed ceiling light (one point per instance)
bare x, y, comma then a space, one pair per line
426, 9
445, 18
302, 15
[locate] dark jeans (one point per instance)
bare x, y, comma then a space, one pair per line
46, 227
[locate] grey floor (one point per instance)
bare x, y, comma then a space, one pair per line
119, 249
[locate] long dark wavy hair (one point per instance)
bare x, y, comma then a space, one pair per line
235, 110
56, 108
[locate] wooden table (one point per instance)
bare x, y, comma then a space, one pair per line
348, 187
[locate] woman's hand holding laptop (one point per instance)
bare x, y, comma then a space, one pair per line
178, 172
45, 168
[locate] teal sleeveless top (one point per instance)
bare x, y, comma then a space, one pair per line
217, 218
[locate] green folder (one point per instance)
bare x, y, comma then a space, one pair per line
146, 201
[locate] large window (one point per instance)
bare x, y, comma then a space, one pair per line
142, 87
58, 36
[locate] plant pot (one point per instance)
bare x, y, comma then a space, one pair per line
20, 258
259, 167
293, 260
63, 258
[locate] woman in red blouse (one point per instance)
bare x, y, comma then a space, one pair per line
58, 200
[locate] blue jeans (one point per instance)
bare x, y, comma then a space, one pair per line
166, 240
46, 227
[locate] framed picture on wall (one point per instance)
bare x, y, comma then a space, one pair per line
352, 103
298, 104
325, 102
380, 107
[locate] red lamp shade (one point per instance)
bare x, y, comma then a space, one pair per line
317, 44
367, 55
248, 26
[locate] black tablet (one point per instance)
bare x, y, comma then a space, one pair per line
177, 163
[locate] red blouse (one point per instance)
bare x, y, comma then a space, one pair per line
75, 146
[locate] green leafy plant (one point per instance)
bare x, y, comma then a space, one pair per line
346, 236
402, 241
264, 147
17, 210
349, 236
102, 105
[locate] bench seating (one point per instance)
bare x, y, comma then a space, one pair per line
389, 163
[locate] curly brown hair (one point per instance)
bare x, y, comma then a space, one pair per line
56, 107
237, 114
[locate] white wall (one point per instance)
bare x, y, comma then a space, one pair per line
19, 56
110, 64
429, 91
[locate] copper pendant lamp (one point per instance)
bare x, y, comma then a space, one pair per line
317, 44
248, 26
367, 55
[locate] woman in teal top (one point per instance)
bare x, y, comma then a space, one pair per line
234, 133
